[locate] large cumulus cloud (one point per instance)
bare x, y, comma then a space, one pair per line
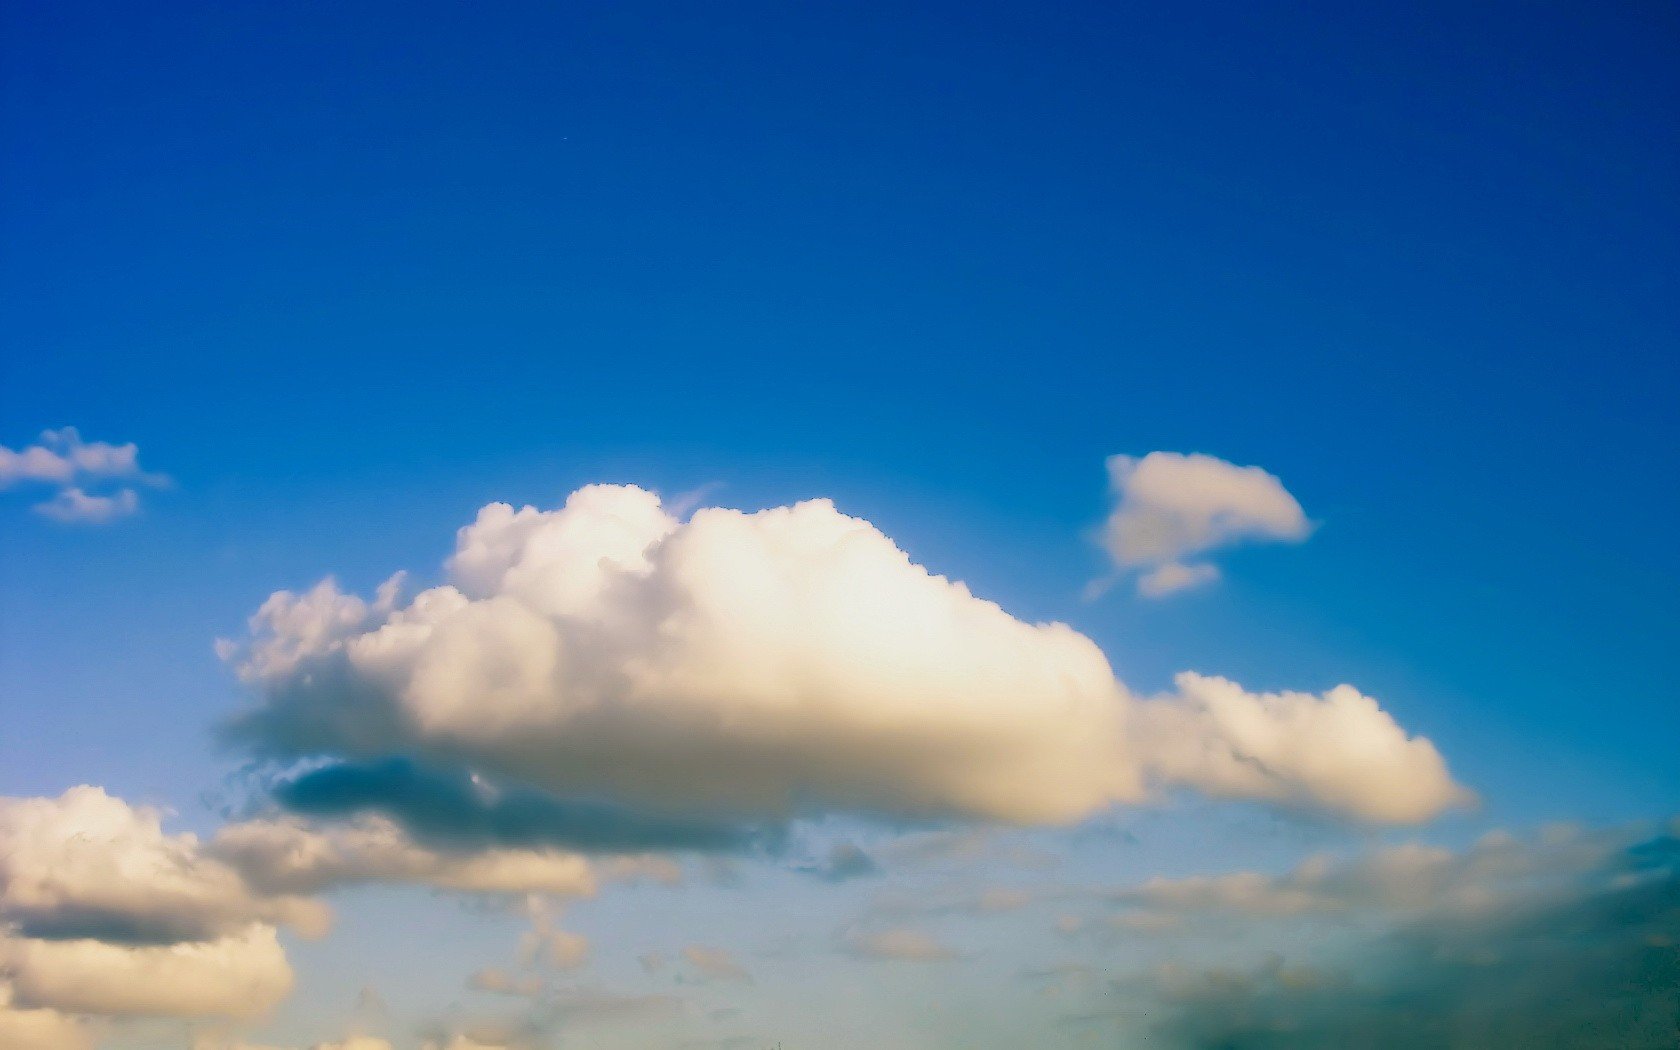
760, 666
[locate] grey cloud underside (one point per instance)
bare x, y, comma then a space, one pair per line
1595, 967
71, 922
843, 862
449, 810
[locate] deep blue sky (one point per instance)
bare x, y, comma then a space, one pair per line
348, 271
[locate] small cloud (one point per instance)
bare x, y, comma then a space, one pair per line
1170, 507
902, 944
72, 506
500, 982
714, 964
1174, 577
82, 473
547, 943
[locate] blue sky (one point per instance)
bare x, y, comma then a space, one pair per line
345, 276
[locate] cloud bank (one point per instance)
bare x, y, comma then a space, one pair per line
1565, 939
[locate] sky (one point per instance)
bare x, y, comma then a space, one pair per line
963, 526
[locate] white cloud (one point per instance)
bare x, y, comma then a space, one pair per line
88, 865
286, 855
739, 662
240, 975
61, 459
764, 665
1339, 751
1171, 507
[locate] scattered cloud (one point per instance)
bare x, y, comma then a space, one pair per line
902, 944
547, 943
1563, 940
73, 506
499, 981
699, 681
714, 964
76, 470
1171, 508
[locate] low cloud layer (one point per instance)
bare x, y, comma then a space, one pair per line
753, 667
1171, 509
92, 482
1567, 939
